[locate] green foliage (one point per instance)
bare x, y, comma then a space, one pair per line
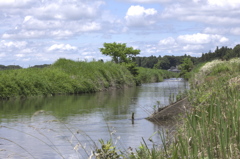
132, 68
164, 62
187, 64
144, 152
181, 95
63, 77
70, 77
211, 129
186, 67
107, 151
119, 52
147, 75
223, 53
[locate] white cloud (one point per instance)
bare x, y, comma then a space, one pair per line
58, 30
19, 55
167, 41
69, 10
224, 3
24, 34
193, 47
230, 30
200, 38
191, 44
31, 23
61, 47
12, 44
45, 30
139, 16
51, 19
212, 12
15, 3
92, 26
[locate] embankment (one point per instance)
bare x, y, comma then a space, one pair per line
171, 111
70, 77
212, 128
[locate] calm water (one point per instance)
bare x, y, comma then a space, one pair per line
70, 126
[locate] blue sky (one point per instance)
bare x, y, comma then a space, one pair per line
36, 32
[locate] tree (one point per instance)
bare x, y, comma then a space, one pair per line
186, 67
119, 52
164, 63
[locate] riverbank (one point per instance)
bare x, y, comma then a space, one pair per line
211, 129
170, 112
70, 77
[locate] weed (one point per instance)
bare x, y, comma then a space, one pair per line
70, 77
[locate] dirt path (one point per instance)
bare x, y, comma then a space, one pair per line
170, 112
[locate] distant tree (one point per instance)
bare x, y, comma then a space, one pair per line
236, 51
157, 65
119, 52
164, 63
186, 67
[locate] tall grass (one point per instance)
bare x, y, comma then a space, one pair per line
63, 77
70, 77
212, 128
147, 75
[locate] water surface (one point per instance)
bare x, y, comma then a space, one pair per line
70, 126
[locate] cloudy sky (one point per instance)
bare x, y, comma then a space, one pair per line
41, 31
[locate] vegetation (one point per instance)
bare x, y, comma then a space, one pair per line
159, 62
69, 77
211, 128
223, 53
63, 77
119, 52
165, 62
147, 75
186, 67
107, 151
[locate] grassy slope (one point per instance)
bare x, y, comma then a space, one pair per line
212, 129
67, 77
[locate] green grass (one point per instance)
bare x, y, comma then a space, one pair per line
147, 75
212, 128
70, 77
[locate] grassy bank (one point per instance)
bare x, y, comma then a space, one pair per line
70, 77
147, 75
212, 128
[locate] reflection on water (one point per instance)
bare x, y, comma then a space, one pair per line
64, 125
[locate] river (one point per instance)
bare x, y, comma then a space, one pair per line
70, 126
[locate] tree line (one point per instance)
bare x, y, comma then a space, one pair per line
165, 62
223, 53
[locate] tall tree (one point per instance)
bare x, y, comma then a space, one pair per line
119, 52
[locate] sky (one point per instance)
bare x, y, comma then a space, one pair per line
35, 32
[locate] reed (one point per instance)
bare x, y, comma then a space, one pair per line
71, 77
211, 129
147, 75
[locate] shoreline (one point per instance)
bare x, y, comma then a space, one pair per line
170, 112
